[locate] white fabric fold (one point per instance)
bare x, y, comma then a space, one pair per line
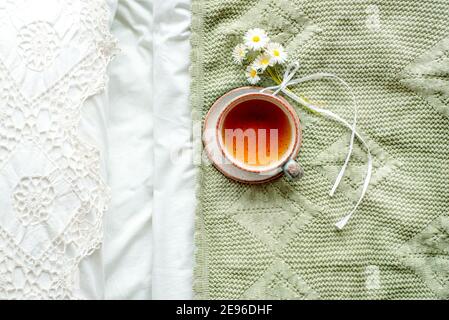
174, 172
128, 244
148, 247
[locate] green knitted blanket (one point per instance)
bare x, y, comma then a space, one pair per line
278, 241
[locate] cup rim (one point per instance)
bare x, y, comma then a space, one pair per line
278, 102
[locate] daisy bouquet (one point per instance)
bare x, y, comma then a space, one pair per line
260, 55
263, 57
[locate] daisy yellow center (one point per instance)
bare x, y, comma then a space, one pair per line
242, 53
276, 53
265, 61
256, 39
253, 73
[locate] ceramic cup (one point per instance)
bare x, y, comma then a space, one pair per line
286, 162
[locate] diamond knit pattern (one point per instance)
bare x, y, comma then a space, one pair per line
278, 241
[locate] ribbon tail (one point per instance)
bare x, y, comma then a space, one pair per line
348, 157
343, 222
323, 75
318, 76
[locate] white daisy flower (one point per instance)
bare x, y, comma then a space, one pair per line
277, 53
262, 62
252, 75
239, 53
256, 39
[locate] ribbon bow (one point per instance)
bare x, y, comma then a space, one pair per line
287, 81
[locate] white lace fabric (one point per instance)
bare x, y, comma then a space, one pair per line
53, 56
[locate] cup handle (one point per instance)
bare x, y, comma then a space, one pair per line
293, 170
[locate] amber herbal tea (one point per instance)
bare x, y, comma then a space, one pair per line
257, 132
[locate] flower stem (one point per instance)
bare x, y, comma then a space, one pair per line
277, 78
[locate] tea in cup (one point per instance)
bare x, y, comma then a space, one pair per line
260, 133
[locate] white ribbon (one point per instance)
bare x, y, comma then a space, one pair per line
289, 81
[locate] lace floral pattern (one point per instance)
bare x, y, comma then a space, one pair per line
33, 197
38, 45
53, 56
